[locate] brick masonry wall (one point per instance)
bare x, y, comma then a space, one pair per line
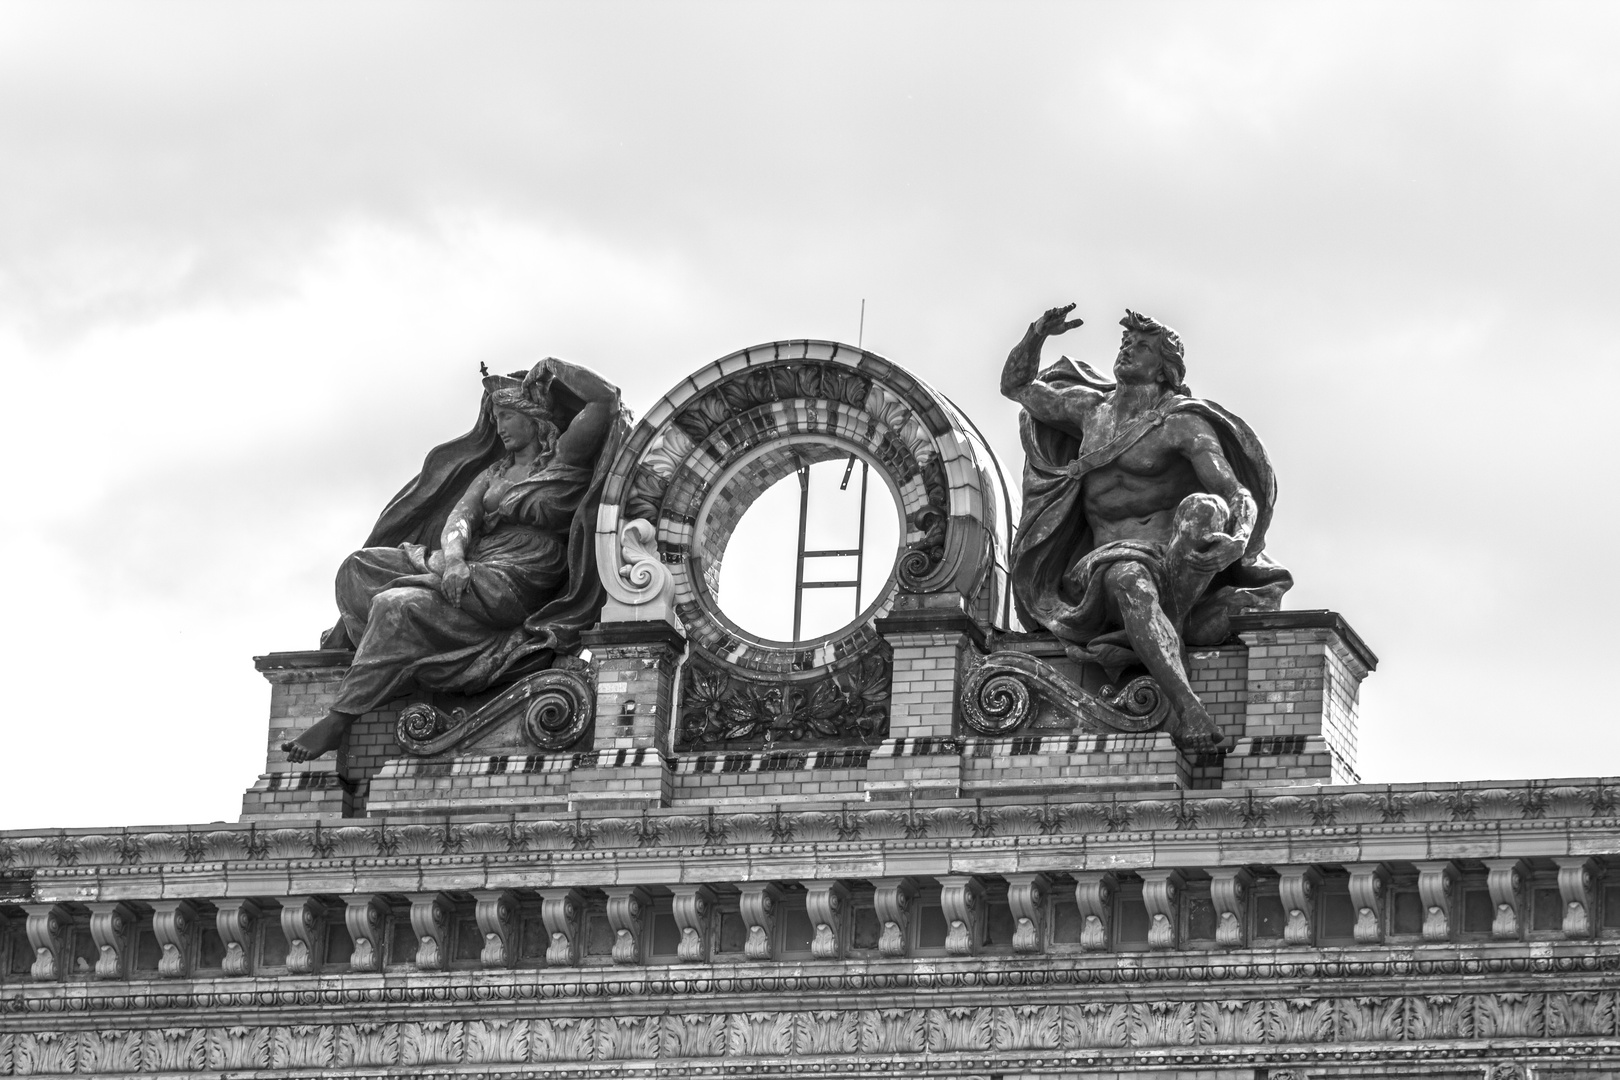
739, 789
923, 699
634, 692
1287, 697
1303, 684
1072, 762
1220, 678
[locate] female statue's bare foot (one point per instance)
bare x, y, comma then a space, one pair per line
325, 734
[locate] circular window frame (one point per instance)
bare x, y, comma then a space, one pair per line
881, 602
949, 491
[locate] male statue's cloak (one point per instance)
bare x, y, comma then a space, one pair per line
1056, 586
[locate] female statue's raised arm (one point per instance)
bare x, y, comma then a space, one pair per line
583, 440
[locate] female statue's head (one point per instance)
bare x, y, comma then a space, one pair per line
520, 421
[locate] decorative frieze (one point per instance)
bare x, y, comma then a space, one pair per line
1302, 1031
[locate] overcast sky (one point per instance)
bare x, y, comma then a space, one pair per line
251, 258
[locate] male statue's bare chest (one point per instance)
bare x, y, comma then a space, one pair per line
1140, 443
1153, 454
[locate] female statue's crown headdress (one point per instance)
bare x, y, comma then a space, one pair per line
527, 394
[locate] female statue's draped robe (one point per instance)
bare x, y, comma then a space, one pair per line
533, 585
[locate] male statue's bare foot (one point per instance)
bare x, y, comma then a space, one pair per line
1198, 733
325, 734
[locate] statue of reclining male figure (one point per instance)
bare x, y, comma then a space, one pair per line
1145, 512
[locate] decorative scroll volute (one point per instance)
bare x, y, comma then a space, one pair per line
1505, 879
1161, 895
1368, 887
236, 919
430, 918
640, 587
1436, 886
1094, 895
962, 897
1026, 895
496, 911
758, 905
303, 920
627, 911
557, 707
1006, 690
1297, 886
693, 907
827, 904
562, 911
366, 918
174, 924
47, 929
110, 927
1229, 890
1576, 880
894, 900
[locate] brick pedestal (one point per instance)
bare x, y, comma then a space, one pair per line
922, 757
303, 686
1302, 688
635, 666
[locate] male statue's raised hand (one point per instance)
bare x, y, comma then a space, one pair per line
1056, 321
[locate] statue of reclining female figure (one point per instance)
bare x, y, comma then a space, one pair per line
512, 506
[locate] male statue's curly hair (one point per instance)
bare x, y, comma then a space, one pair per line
1168, 345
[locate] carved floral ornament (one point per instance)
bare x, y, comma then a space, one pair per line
1298, 1033
747, 419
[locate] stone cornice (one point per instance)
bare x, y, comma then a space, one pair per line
1533, 818
1312, 619
271, 873
337, 659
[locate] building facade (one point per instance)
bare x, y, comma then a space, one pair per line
918, 845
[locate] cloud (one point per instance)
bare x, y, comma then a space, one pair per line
250, 257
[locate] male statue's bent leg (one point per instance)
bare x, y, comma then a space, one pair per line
1131, 589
